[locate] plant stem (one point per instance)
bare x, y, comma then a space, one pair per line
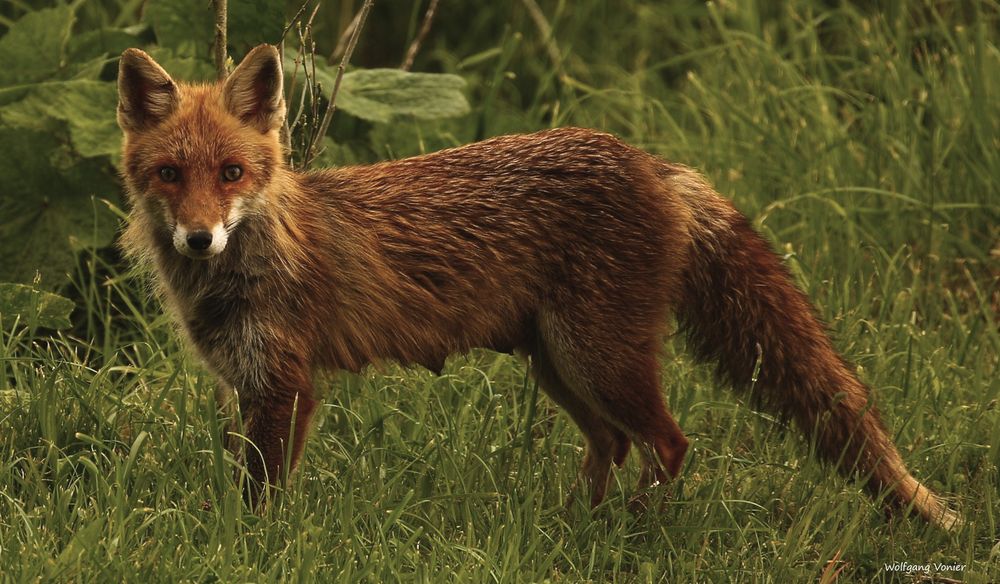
425, 27
220, 39
331, 107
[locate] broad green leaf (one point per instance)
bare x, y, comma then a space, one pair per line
252, 22
33, 49
34, 307
382, 94
91, 44
379, 95
190, 69
186, 26
87, 69
46, 205
86, 106
335, 154
57, 129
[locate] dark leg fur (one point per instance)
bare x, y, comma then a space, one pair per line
613, 386
606, 444
268, 424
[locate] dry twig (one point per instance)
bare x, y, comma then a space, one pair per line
347, 35
220, 39
425, 27
313, 149
286, 127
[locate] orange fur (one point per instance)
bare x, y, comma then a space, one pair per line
566, 245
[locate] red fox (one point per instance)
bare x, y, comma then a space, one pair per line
566, 245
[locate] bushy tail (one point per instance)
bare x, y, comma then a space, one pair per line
740, 306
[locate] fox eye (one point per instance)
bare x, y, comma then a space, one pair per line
232, 173
168, 174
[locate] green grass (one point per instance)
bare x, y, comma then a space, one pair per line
864, 144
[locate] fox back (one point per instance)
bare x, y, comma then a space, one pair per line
567, 246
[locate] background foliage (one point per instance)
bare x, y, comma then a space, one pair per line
57, 113
862, 138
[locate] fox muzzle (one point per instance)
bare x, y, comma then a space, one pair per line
200, 243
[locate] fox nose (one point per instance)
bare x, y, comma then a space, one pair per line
199, 240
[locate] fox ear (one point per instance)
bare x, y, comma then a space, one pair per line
146, 94
254, 90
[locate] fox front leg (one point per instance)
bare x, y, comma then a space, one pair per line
275, 423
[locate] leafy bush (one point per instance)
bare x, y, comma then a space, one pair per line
57, 140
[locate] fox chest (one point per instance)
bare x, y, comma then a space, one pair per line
228, 329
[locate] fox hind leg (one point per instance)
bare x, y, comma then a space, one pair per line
631, 399
606, 444
619, 381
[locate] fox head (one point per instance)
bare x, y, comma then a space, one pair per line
198, 158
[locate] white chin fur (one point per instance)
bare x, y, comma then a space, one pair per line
219, 238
